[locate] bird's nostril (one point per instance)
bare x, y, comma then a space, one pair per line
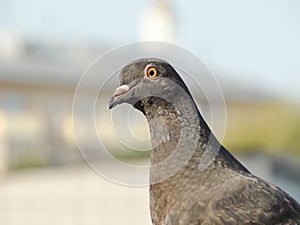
121, 90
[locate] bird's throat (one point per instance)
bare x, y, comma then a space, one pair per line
174, 127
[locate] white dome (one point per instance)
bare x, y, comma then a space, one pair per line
157, 23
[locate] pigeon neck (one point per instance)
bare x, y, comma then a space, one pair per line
175, 126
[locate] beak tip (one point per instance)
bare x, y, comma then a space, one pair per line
111, 103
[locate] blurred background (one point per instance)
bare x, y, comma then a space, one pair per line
252, 47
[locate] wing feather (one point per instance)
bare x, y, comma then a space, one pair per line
255, 202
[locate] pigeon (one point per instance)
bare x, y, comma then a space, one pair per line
193, 179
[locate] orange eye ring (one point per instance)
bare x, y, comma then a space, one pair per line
151, 72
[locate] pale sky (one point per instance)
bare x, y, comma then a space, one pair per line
255, 42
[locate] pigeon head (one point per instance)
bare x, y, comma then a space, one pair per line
148, 80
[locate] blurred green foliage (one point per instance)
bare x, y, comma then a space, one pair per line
29, 161
273, 127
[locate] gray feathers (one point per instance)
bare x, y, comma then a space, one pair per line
224, 192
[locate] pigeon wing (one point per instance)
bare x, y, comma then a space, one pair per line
256, 202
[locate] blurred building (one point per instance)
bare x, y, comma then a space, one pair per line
37, 86
157, 22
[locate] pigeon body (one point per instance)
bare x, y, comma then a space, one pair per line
182, 192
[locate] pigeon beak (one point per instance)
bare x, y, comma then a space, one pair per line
117, 97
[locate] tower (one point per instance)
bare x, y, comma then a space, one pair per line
157, 22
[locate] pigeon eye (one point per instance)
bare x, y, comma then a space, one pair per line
151, 72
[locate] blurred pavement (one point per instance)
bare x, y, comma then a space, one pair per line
69, 195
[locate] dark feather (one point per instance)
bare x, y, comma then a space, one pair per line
225, 192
